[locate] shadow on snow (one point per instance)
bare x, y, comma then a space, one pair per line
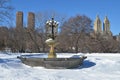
86, 64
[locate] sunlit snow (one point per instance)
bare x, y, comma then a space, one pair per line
95, 67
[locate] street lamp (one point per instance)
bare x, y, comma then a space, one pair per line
51, 30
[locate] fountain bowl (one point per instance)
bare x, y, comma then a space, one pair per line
53, 63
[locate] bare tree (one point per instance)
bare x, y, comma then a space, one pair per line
107, 44
5, 11
3, 37
75, 29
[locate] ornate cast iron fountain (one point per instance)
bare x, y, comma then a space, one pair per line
51, 30
52, 61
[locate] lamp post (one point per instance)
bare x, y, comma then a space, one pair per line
51, 30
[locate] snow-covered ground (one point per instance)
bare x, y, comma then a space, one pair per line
95, 67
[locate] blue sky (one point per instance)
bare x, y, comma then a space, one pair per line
89, 8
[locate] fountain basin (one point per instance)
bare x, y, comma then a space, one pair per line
53, 63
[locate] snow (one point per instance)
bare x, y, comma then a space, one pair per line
45, 55
96, 67
50, 40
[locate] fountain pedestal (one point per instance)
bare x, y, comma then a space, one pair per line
52, 53
51, 43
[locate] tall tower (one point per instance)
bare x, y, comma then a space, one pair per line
31, 21
106, 26
19, 20
97, 25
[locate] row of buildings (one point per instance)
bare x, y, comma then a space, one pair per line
98, 28
106, 26
30, 20
104, 30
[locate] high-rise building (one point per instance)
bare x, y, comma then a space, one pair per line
31, 21
19, 20
97, 26
106, 26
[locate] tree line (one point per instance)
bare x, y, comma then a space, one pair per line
75, 34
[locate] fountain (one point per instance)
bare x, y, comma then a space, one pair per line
52, 61
51, 29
